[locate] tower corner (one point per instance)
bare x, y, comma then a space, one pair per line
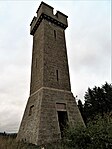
44, 8
62, 17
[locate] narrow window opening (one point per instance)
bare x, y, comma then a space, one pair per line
63, 121
55, 34
31, 110
57, 75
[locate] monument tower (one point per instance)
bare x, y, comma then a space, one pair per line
51, 104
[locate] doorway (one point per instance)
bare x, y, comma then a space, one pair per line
63, 120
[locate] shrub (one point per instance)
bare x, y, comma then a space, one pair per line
97, 135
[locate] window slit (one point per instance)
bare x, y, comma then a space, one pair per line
55, 34
57, 75
36, 63
31, 110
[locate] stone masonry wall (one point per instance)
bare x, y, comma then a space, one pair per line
50, 82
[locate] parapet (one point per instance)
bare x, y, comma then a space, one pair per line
44, 8
45, 11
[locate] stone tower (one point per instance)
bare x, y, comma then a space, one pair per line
51, 104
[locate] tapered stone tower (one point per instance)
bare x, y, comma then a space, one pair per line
51, 104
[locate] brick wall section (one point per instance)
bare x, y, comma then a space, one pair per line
55, 58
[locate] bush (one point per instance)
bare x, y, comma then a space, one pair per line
97, 135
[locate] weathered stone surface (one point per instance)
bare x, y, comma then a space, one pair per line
50, 82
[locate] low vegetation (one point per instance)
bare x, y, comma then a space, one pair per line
8, 141
96, 135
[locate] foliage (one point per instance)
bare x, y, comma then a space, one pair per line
97, 101
97, 135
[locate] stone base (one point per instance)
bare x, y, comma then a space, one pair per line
40, 123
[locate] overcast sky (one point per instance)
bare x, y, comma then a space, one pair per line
88, 39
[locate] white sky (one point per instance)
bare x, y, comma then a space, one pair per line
88, 39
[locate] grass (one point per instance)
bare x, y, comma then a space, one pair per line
8, 141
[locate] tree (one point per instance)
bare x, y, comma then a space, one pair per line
97, 101
81, 108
